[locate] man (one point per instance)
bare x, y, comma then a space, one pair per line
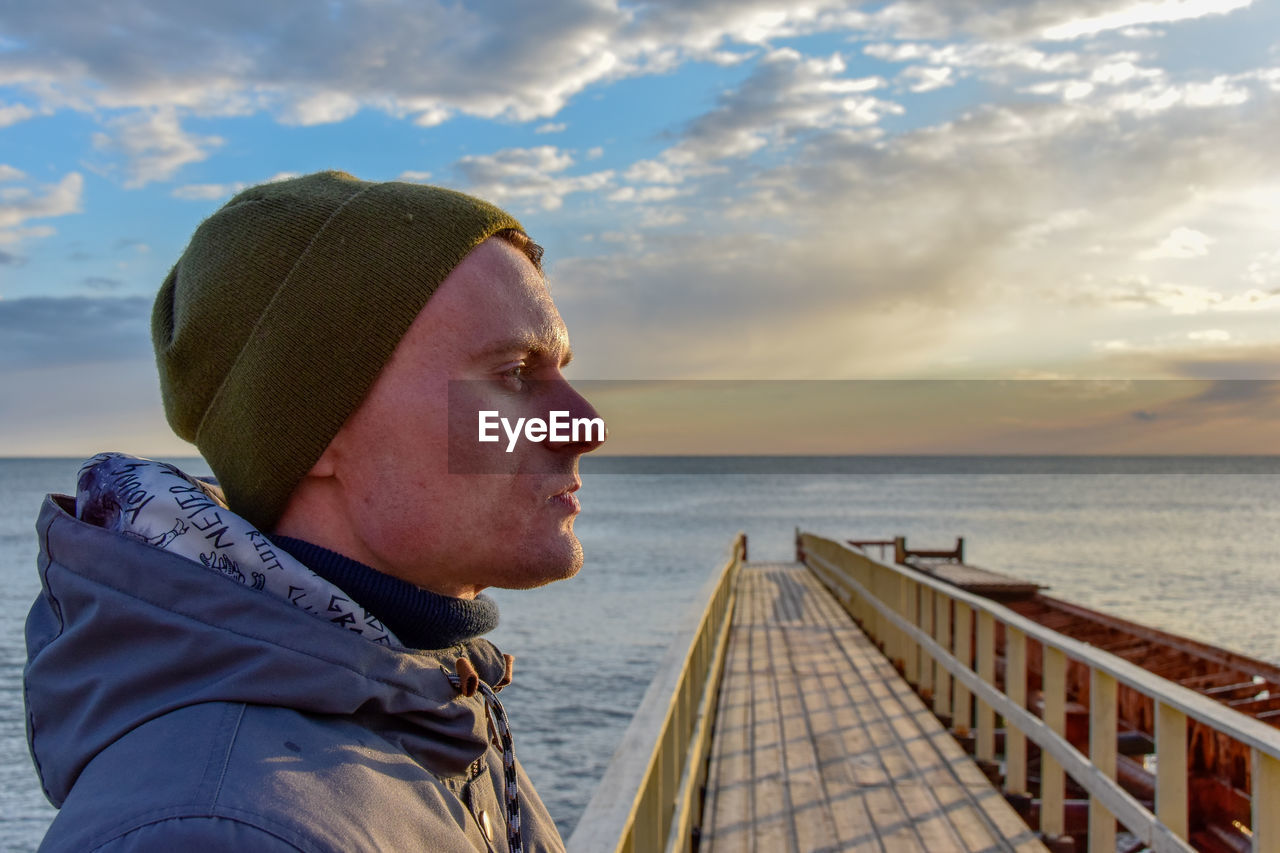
300, 667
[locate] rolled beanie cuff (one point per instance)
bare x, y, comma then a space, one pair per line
327, 332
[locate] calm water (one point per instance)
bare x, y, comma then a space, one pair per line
1195, 549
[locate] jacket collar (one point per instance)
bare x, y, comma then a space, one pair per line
124, 631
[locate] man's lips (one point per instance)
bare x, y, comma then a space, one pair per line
566, 498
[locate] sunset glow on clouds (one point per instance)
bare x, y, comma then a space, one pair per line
731, 190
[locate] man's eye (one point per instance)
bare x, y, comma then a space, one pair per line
515, 375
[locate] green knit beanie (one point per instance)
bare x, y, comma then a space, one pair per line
276, 320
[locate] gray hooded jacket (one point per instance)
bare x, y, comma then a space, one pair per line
170, 710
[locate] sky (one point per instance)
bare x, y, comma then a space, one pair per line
1057, 190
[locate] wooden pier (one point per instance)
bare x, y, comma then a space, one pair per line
820, 705
820, 745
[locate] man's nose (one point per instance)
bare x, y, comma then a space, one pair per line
587, 429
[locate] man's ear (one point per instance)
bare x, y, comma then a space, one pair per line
327, 464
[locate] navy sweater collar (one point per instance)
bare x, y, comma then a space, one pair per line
419, 618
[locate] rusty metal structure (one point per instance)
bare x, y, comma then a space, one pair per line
1218, 766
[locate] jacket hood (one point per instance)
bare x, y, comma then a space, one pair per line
123, 632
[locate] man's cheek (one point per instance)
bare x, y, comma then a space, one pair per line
479, 430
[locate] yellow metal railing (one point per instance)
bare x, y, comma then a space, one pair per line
651, 796
926, 628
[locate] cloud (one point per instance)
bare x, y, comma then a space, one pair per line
1154, 356
1121, 70
1192, 299
9, 173
1181, 243
521, 62
154, 145
701, 27
205, 192
655, 172
1143, 12
1180, 357
922, 78
14, 113
50, 331
746, 304
1264, 269
426, 62
21, 204
1004, 237
977, 55
644, 194
786, 97
414, 177
320, 108
1139, 291
431, 61
1157, 97
527, 176
1040, 233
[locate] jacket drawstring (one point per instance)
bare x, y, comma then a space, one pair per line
467, 681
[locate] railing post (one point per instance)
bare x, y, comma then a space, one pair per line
895, 597
1102, 753
877, 618
645, 829
857, 602
1015, 686
672, 762
962, 707
926, 625
908, 605
942, 634
1052, 781
1171, 769
889, 633
985, 745
1265, 793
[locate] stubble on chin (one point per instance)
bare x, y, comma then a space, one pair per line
534, 568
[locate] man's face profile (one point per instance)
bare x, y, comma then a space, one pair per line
492, 325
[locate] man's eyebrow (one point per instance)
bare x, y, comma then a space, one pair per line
536, 347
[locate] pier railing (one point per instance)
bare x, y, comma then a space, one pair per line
651, 796
944, 640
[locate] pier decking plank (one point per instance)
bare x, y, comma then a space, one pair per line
820, 745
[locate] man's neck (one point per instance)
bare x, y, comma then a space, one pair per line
420, 618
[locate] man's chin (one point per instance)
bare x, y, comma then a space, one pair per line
538, 567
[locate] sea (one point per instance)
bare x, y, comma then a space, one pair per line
1187, 544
